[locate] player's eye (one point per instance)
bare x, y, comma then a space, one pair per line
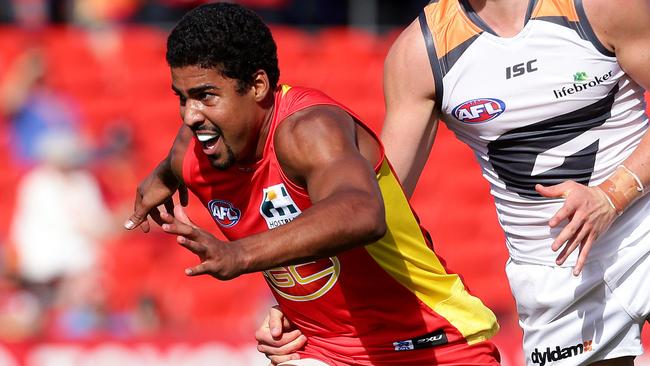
206, 97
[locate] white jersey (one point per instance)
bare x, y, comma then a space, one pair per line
547, 105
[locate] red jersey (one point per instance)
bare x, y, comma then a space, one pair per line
388, 303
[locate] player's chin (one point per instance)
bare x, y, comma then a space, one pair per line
221, 162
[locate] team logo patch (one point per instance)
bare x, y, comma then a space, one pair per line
277, 206
304, 282
224, 213
479, 110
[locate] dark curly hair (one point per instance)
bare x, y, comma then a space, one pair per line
227, 37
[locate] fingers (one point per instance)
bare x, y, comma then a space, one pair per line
154, 213
192, 246
561, 190
180, 214
566, 234
139, 218
145, 227
275, 320
201, 269
276, 360
169, 206
277, 340
574, 242
172, 225
283, 349
562, 214
139, 214
183, 197
262, 332
584, 253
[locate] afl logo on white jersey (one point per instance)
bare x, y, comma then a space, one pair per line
224, 213
479, 110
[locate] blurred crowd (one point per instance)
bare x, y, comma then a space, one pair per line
61, 217
306, 13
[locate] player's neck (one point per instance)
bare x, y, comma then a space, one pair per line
269, 108
505, 17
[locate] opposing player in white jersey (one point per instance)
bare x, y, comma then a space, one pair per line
549, 95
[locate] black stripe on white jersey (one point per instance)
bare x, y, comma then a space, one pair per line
514, 154
433, 58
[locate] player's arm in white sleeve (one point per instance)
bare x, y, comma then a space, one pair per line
411, 121
622, 26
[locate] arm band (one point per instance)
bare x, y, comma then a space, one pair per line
622, 188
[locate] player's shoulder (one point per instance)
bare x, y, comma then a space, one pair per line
616, 20
408, 67
408, 45
296, 98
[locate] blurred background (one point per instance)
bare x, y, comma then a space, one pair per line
86, 110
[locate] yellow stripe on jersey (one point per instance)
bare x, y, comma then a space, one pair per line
404, 254
449, 25
285, 89
556, 8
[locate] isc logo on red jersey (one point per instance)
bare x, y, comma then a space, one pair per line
224, 213
479, 110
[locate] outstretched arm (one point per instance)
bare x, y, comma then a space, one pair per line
410, 124
317, 149
622, 26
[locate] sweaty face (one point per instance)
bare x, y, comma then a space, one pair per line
222, 119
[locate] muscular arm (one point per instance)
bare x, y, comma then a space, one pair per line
411, 122
317, 149
624, 27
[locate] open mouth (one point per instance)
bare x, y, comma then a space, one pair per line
208, 141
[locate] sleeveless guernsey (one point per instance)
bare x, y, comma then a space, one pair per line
547, 105
391, 301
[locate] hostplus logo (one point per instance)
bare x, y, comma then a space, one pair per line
278, 208
582, 78
557, 354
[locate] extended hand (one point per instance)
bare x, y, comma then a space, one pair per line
155, 190
218, 259
589, 214
278, 339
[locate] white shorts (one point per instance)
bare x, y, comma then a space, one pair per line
304, 362
598, 315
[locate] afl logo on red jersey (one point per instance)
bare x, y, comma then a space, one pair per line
224, 213
479, 110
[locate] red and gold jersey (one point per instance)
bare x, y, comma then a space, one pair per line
390, 302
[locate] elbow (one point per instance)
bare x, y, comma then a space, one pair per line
378, 230
374, 227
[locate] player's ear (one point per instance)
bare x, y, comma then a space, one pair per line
261, 86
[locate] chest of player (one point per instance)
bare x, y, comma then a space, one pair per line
246, 201
545, 73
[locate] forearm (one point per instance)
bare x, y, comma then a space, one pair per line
408, 159
630, 180
329, 227
639, 160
